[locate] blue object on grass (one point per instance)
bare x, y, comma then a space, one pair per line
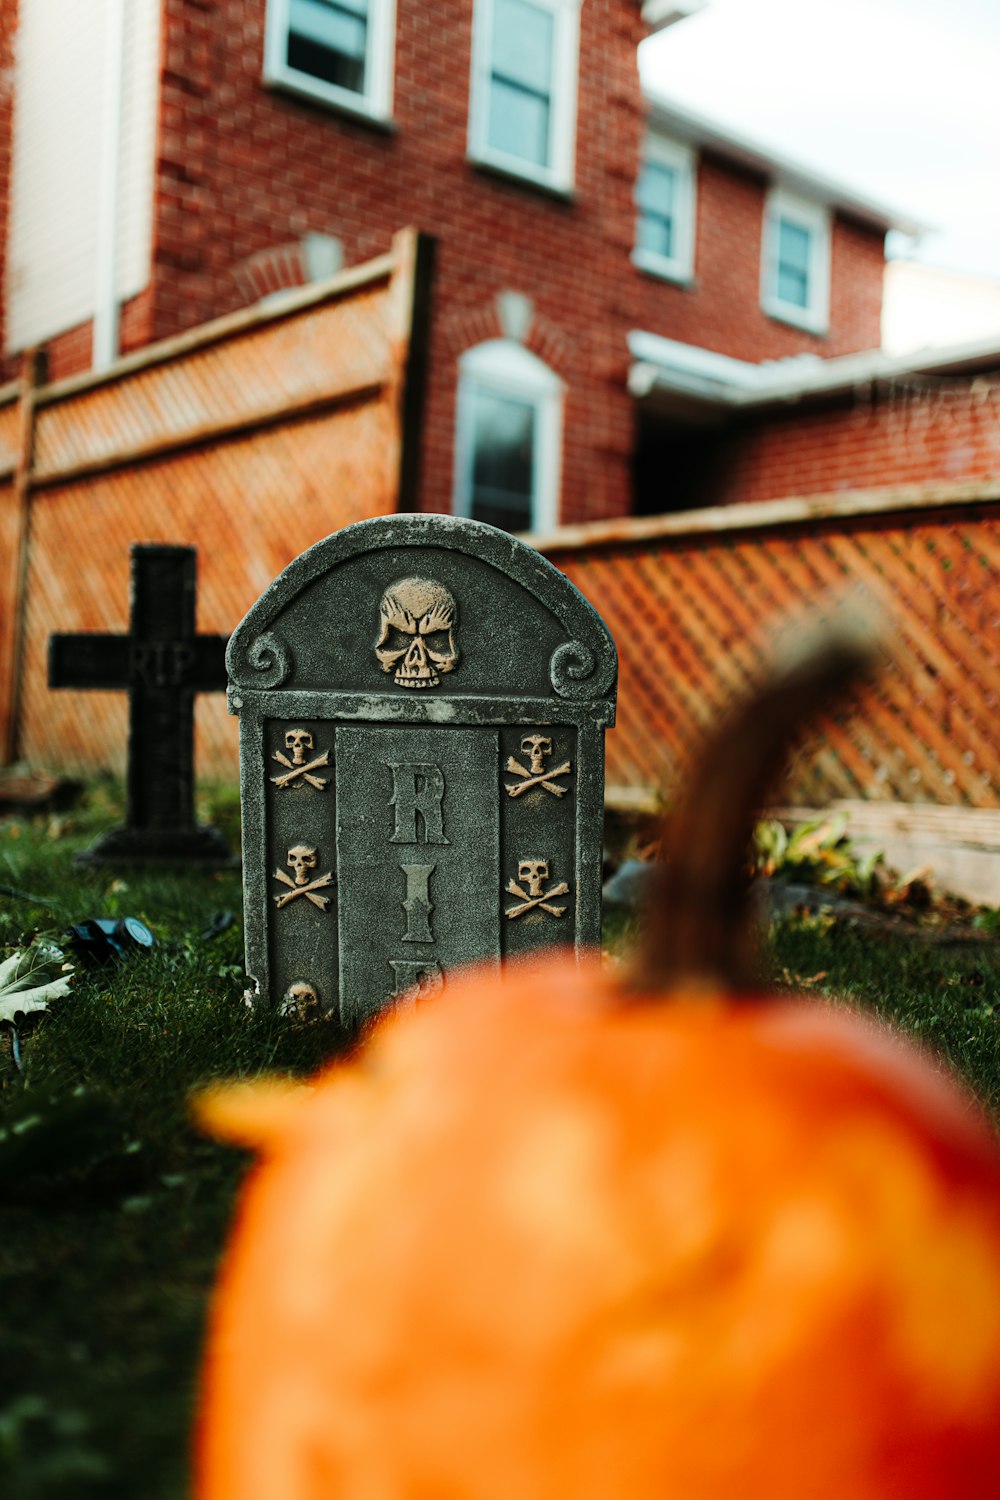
104, 940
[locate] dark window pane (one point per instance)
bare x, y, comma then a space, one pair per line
794, 249
503, 437
505, 517
327, 40
519, 123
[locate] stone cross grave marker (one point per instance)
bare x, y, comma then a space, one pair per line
161, 664
422, 705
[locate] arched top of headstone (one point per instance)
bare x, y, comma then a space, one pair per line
425, 607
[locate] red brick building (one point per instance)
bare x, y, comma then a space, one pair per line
163, 162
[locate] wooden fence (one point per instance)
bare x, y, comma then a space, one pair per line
257, 435
249, 438
694, 602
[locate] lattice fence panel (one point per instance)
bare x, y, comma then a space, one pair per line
695, 619
342, 346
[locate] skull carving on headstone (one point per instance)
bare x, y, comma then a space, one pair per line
302, 859
301, 1000
417, 625
298, 741
533, 872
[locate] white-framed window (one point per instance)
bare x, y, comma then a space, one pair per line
795, 263
337, 51
665, 209
522, 108
508, 438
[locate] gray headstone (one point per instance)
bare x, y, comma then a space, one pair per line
422, 705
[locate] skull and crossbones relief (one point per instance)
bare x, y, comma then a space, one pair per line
534, 873
537, 747
300, 770
303, 859
417, 626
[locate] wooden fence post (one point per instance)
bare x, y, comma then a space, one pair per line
14, 603
415, 254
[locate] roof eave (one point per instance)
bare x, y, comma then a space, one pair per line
659, 14
703, 377
688, 125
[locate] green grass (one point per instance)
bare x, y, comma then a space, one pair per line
944, 993
113, 1209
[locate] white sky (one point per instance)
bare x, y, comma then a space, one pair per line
898, 98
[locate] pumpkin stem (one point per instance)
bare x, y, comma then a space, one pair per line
701, 933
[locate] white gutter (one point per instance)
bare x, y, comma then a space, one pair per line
668, 367
659, 14
105, 344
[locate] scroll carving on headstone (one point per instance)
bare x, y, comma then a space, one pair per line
422, 705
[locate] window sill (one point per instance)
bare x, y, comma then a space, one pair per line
796, 317
561, 193
359, 110
664, 270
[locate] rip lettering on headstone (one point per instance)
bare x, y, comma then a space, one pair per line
414, 981
422, 705
417, 792
417, 905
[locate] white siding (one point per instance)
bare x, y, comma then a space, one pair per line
59, 90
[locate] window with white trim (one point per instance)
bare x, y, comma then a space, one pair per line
665, 209
795, 264
337, 51
508, 438
522, 114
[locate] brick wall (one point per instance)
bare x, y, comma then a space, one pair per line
895, 434
242, 169
721, 309
70, 352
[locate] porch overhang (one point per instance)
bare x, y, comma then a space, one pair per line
684, 382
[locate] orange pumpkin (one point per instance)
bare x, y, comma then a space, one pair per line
550, 1236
